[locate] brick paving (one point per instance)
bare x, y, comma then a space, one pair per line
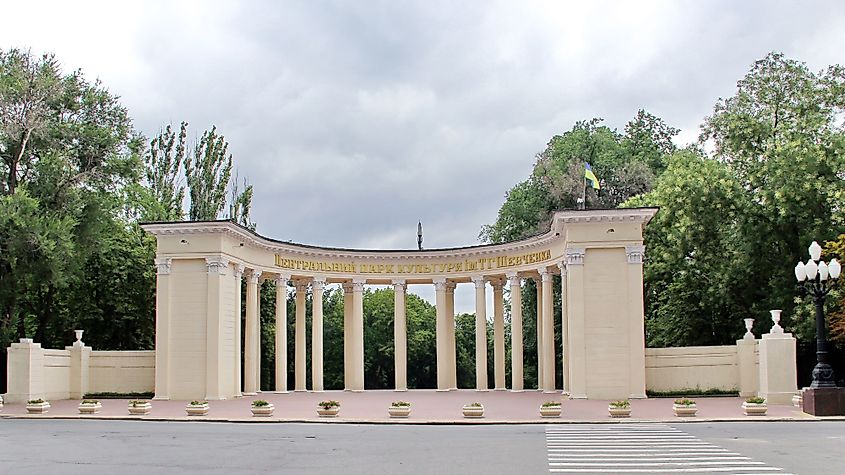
428, 406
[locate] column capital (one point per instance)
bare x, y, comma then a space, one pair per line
253, 276
300, 285
479, 281
497, 283
575, 256
239, 271
347, 287
216, 264
562, 266
318, 282
282, 279
545, 275
398, 283
358, 284
439, 283
513, 279
450, 287
163, 265
635, 253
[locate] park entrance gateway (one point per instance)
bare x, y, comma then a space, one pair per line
201, 267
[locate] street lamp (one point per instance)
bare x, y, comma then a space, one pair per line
817, 278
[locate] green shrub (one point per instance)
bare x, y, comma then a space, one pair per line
260, 403
621, 404
137, 403
90, 401
475, 404
198, 403
685, 402
400, 404
35, 401
326, 405
756, 400
551, 404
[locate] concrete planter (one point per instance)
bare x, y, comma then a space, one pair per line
330, 412
684, 410
397, 412
797, 400
140, 409
89, 408
473, 412
37, 407
197, 409
754, 409
550, 411
262, 411
619, 411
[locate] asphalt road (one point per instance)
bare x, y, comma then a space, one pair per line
128, 447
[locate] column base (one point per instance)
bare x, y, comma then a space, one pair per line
549, 391
281, 392
398, 390
250, 394
442, 390
824, 401
300, 390
517, 391
161, 398
483, 390
453, 389
500, 389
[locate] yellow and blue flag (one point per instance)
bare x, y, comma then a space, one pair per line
590, 176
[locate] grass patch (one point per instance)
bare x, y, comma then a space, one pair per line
696, 392
119, 395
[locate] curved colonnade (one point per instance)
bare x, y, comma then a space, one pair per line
201, 267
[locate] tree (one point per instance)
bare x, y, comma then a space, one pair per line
208, 171
781, 138
163, 171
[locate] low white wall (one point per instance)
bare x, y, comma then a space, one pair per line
121, 371
56, 374
691, 367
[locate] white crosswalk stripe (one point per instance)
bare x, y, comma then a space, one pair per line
641, 448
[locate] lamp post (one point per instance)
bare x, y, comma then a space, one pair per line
817, 278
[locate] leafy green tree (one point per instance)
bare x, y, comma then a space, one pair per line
163, 172
208, 171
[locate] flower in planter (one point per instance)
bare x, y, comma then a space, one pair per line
90, 401
326, 405
198, 403
551, 404
474, 404
621, 404
137, 403
400, 404
685, 402
35, 401
260, 403
756, 400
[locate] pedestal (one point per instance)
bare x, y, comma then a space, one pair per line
824, 401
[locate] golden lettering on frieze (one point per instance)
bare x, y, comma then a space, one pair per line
467, 265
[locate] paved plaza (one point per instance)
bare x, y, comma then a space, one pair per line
428, 406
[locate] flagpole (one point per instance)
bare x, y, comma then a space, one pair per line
584, 195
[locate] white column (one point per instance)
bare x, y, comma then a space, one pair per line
252, 334
517, 378
480, 333
440, 334
299, 337
238, 335
282, 333
317, 333
162, 348
538, 282
577, 323
357, 347
216, 386
564, 327
498, 334
400, 337
347, 334
636, 319
450, 334
548, 332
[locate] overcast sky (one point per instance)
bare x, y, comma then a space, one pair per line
356, 119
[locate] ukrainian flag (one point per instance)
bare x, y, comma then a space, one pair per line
589, 175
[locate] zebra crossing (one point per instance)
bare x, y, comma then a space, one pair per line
641, 448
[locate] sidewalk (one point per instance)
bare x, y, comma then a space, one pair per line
428, 407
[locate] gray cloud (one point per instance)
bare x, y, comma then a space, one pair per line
356, 119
